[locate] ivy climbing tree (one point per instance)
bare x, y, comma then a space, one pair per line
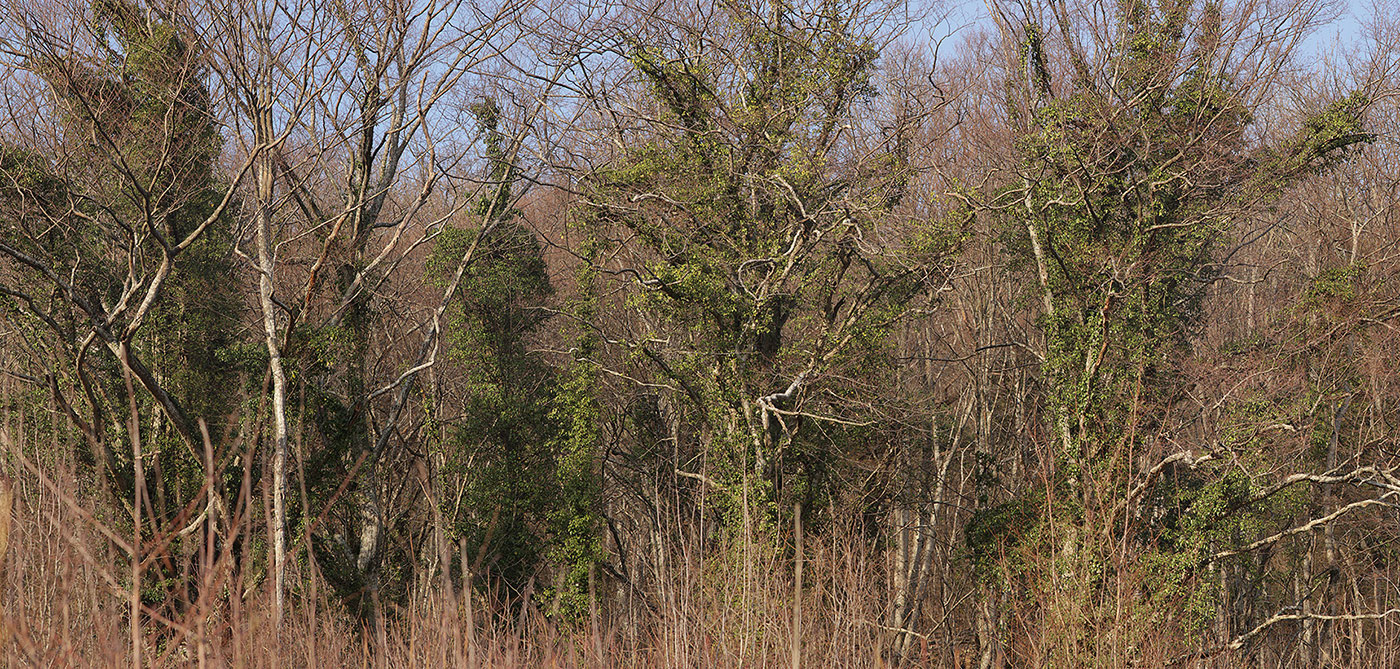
1132, 178
117, 243
500, 454
759, 208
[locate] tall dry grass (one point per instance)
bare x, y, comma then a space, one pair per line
67, 601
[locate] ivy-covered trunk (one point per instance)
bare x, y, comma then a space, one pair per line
1128, 188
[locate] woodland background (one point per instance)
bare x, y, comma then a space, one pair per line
673, 333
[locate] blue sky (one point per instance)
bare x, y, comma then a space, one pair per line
1347, 28
1343, 32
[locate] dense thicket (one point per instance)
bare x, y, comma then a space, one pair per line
741, 333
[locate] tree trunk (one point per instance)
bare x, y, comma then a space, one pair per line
266, 286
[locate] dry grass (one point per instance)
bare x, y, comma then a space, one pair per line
66, 603
66, 606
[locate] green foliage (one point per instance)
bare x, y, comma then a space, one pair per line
1127, 234
501, 445
523, 451
1128, 192
749, 233
996, 532
576, 413
576, 518
137, 179
1195, 514
1325, 137
1336, 285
